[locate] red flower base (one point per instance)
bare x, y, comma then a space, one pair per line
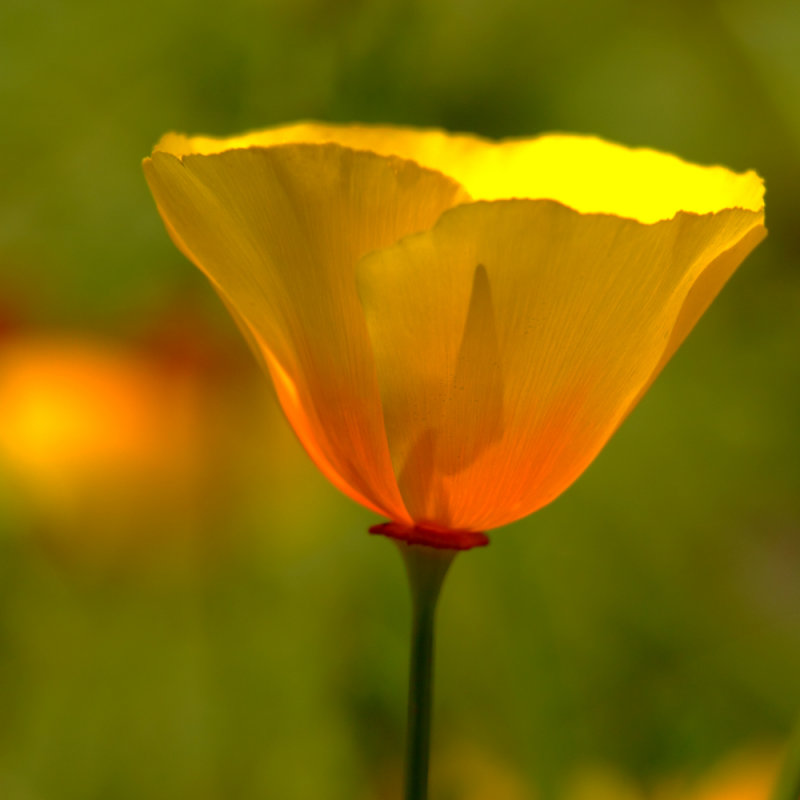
430, 537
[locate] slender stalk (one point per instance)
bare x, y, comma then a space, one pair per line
788, 785
426, 568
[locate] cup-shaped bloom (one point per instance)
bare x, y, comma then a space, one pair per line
454, 327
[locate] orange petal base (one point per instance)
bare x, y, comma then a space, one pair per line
440, 539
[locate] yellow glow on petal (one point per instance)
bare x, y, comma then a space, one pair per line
583, 172
575, 314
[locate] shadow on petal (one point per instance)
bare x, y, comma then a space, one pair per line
473, 412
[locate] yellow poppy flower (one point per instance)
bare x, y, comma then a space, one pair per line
454, 327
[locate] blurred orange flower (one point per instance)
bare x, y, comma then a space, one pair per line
109, 448
745, 775
454, 327
76, 409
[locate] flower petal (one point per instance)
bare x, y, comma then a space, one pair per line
583, 172
279, 231
513, 338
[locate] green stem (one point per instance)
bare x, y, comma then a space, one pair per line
788, 786
426, 568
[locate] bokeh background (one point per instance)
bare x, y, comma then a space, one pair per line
188, 610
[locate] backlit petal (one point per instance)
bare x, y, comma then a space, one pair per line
583, 172
278, 231
512, 339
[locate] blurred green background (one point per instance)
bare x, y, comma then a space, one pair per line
188, 610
